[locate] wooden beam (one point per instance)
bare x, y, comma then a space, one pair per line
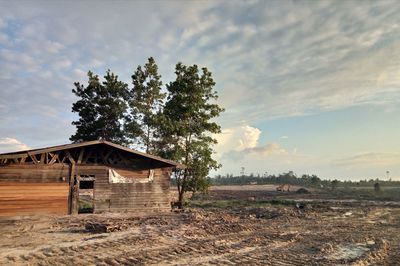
12, 156
71, 159
53, 159
34, 159
123, 159
81, 155
91, 144
95, 156
63, 159
88, 154
74, 180
23, 159
71, 196
42, 158
105, 158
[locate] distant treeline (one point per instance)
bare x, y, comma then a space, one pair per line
293, 179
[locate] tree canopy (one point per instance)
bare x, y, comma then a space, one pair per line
176, 122
145, 100
101, 108
187, 126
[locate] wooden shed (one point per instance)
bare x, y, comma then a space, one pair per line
99, 175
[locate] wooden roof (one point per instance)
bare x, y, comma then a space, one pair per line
17, 154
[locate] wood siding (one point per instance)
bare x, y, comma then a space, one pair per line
33, 198
35, 173
129, 197
33, 189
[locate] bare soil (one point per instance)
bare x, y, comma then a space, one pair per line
329, 233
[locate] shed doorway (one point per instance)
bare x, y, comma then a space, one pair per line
86, 194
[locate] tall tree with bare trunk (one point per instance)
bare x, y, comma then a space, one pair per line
188, 126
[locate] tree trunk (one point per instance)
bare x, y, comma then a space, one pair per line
180, 200
181, 183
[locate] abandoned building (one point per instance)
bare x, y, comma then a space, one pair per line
94, 176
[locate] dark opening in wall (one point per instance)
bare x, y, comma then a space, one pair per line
86, 184
86, 193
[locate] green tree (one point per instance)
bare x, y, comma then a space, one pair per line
101, 108
187, 127
145, 101
334, 184
377, 187
315, 181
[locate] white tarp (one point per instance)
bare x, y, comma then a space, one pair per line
114, 177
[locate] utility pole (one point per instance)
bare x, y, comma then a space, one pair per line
242, 171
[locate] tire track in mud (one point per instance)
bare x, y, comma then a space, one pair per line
233, 247
208, 240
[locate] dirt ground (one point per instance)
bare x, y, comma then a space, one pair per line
315, 233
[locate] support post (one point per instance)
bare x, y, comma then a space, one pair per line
73, 197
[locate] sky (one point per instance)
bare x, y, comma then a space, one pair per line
308, 86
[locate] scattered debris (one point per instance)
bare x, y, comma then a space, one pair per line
104, 228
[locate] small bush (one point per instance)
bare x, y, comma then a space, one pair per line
377, 187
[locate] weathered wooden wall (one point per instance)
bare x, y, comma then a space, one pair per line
129, 197
35, 173
32, 189
28, 188
33, 198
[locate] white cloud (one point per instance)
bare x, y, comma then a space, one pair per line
371, 159
4, 39
243, 141
95, 63
53, 47
2, 23
62, 64
237, 139
79, 74
266, 150
12, 144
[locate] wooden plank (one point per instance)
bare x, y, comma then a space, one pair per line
53, 158
72, 207
33, 198
34, 173
23, 158
69, 156
88, 154
105, 158
43, 158
34, 159
81, 155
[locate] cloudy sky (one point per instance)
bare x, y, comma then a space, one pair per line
308, 86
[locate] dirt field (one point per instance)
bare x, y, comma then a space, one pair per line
255, 233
